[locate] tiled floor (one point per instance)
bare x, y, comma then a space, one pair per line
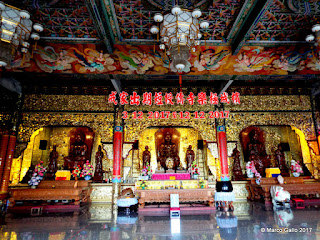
249, 221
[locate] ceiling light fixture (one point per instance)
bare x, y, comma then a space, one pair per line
15, 30
316, 37
179, 33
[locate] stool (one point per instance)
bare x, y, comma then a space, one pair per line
298, 203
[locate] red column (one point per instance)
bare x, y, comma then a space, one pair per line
223, 154
3, 151
117, 154
7, 165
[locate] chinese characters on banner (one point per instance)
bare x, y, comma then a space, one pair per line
169, 99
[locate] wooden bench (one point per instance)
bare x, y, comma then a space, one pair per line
294, 185
53, 190
185, 195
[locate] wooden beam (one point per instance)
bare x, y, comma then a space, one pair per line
259, 7
117, 85
96, 13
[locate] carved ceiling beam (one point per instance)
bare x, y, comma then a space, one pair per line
225, 84
117, 85
258, 9
239, 22
315, 89
95, 9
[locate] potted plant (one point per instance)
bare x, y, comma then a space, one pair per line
76, 173
37, 175
194, 170
87, 171
295, 168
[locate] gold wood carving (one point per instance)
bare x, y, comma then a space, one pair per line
108, 148
239, 121
127, 147
265, 102
134, 127
101, 123
67, 103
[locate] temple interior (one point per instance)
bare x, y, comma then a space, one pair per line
149, 119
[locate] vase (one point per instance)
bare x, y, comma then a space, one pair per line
195, 176
87, 177
250, 175
143, 188
33, 186
258, 181
296, 174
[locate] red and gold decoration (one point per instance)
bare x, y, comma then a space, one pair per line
8, 162
224, 197
223, 154
117, 154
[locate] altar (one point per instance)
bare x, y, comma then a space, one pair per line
171, 184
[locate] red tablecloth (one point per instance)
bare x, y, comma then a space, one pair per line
166, 176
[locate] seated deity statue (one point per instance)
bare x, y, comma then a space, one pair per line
257, 153
146, 157
168, 154
77, 153
189, 157
53, 163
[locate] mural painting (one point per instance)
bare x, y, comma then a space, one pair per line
147, 60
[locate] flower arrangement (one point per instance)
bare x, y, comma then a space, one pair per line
146, 171
194, 168
87, 170
295, 167
76, 172
251, 170
38, 174
143, 185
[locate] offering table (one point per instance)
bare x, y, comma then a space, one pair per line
53, 190
185, 195
294, 185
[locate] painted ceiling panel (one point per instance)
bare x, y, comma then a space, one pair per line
67, 19
288, 20
135, 17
